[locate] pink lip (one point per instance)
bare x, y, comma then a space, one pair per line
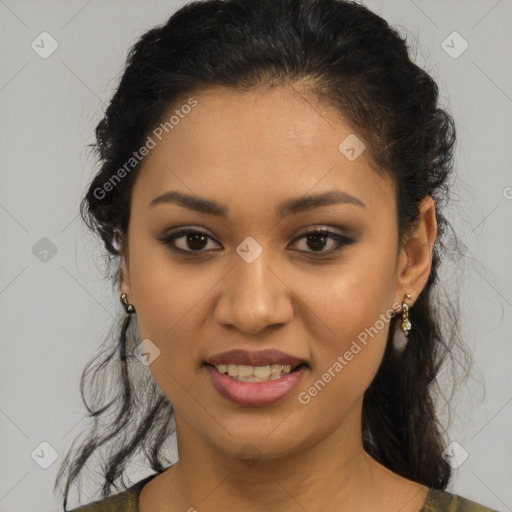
255, 394
255, 358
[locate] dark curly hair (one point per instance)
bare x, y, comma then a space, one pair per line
354, 62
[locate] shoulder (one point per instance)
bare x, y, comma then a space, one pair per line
125, 501
444, 501
118, 503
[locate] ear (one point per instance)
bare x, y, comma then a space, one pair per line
124, 276
415, 261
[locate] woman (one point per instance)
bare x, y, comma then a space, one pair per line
271, 187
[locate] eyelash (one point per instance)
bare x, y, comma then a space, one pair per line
343, 240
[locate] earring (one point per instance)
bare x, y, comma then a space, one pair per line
130, 308
400, 335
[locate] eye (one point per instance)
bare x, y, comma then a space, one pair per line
318, 239
195, 241
192, 238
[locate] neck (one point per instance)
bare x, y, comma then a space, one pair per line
334, 473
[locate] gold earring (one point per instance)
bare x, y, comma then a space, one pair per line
406, 324
130, 308
400, 335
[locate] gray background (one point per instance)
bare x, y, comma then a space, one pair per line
55, 313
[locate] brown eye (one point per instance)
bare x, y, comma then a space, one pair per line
318, 239
193, 241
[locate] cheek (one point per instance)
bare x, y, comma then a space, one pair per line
347, 361
171, 314
166, 292
353, 315
358, 331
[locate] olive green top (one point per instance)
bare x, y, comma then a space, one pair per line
128, 501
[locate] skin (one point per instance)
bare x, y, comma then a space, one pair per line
250, 151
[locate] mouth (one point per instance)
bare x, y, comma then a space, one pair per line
267, 364
255, 386
264, 373
255, 378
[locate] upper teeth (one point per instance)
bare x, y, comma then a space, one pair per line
242, 370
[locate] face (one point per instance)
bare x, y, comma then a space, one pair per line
252, 278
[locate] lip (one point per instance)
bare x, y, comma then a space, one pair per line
255, 358
255, 394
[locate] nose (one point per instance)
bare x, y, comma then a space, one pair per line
254, 296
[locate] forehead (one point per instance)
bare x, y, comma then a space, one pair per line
269, 143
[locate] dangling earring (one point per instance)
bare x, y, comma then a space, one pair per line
401, 331
130, 308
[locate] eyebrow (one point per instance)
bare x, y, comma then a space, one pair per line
288, 207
